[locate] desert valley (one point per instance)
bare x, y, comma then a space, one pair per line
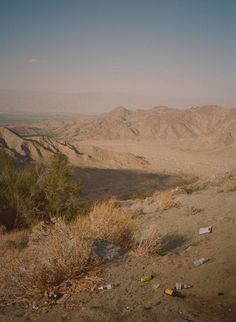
171, 172
117, 161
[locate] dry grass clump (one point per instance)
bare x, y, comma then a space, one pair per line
190, 210
166, 200
61, 251
61, 254
147, 245
17, 239
110, 222
228, 185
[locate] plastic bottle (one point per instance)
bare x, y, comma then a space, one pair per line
180, 286
106, 287
200, 261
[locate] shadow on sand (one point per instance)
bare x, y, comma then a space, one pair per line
98, 184
171, 242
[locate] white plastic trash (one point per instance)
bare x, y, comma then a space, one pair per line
205, 230
200, 261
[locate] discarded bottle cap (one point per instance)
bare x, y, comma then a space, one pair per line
146, 278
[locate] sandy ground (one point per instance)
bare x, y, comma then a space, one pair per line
213, 296
175, 158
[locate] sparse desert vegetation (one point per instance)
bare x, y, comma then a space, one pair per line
148, 242
30, 193
82, 251
110, 222
166, 200
228, 185
59, 251
190, 210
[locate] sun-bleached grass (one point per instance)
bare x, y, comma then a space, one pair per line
166, 200
110, 222
229, 185
190, 210
60, 251
148, 242
58, 255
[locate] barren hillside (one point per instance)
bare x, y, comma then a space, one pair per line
41, 149
160, 123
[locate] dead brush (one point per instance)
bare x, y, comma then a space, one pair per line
15, 239
89, 281
148, 243
110, 222
190, 210
166, 200
62, 251
229, 185
61, 254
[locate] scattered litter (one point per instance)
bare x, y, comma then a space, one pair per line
200, 261
35, 306
205, 230
146, 278
180, 286
67, 283
54, 295
106, 287
171, 292
156, 286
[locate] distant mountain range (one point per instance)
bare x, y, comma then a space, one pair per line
211, 125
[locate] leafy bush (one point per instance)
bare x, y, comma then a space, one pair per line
32, 193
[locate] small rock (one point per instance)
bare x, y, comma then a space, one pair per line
106, 251
35, 306
156, 286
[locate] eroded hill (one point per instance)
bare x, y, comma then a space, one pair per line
41, 149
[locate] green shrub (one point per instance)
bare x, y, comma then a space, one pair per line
32, 193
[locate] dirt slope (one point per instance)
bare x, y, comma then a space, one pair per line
212, 297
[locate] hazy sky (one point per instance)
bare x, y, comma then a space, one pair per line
180, 51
